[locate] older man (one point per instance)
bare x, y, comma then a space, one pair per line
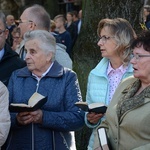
9, 60
37, 18
48, 128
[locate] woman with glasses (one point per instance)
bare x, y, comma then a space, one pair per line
128, 115
114, 42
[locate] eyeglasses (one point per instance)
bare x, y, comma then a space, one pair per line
105, 38
1, 32
15, 37
138, 56
20, 21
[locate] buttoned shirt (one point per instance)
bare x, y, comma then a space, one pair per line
114, 78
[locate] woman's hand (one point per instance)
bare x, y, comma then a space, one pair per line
93, 118
24, 118
37, 116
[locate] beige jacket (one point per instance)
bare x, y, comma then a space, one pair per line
4, 114
133, 131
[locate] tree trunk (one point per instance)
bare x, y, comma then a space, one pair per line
86, 53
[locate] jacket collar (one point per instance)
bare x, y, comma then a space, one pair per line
100, 69
55, 71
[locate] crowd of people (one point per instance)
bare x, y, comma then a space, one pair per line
36, 57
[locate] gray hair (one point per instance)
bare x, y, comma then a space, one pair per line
3, 19
123, 34
47, 42
39, 16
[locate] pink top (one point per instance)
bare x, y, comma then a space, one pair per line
114, 78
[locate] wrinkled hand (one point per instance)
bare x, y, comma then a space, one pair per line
25, 118
37, 116
93, 118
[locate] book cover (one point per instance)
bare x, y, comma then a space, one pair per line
35, 102
93, 107
104, 143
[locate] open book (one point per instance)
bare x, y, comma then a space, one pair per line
93, 107
35, 102
103, 139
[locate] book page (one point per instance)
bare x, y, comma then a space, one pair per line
34, 99
95, 105
20, 105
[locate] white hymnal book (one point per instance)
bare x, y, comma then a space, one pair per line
93, 107
35, 102
103, 139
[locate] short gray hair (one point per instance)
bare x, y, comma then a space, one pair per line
46, 41
39, 16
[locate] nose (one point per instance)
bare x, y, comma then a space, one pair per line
133, 60
100, 42
27, 56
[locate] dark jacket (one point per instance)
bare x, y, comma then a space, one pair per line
9, 62
60, 115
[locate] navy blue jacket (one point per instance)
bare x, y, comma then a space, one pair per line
60, 115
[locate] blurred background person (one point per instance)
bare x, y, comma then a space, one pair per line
16, 35
59, 117
61, 55
115, 36
71, 27
80, 21
63, 34
9, 59
146, 16
127, 117
10, 24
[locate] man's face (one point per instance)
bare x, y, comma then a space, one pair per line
10, 20
3, 35
24, 23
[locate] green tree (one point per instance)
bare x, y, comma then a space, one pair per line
86, 53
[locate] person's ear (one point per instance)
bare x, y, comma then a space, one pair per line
49, 57
32, 26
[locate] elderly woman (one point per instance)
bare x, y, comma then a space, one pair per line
47, 128
114, 42
128, 115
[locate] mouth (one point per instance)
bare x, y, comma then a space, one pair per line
102, 50
135, 69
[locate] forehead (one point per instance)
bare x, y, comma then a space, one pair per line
140, 49
33, 43
105, 30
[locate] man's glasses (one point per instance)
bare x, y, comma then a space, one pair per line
138, 56
1, 32
24, 21
105, 38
